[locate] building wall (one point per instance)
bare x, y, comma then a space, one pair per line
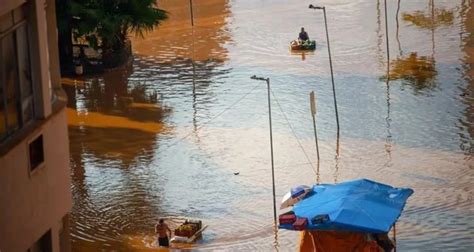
33, 203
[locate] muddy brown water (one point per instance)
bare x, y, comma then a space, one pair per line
163, 136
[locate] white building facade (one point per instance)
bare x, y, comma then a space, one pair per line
35, 183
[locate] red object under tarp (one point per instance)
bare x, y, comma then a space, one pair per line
287, 218
300, 224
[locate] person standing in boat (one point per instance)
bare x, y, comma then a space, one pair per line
303, 36
162, 230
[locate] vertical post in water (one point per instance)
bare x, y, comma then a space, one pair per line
193, 65
386, 38
271, 151
312, 99
398, 28
191, 9
432, 29
332, 73
387, 119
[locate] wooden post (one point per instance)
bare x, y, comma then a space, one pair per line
191, 10
312, 99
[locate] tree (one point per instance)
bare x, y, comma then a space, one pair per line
105, 24
64, 22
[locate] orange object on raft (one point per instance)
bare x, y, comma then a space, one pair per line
188, 232
188, 228
309, 45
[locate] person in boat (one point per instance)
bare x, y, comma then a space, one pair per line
303, 36
162, 230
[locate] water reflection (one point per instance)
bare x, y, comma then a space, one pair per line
337, 161
106, 108
417, 71
467, 94
380, 34
112, 124
302, 54
176, 38
116, 121
388, 120
434, 19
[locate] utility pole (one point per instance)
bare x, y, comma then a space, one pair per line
271, 143
330, 63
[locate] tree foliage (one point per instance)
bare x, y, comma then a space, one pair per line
105, 24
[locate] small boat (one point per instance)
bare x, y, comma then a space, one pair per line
188, 232
308, 45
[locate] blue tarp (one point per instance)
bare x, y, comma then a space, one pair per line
359, 206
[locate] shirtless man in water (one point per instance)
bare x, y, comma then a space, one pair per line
161, 229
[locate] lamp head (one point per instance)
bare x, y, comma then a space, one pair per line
316, 7
254, 77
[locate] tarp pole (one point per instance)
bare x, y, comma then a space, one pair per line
395, 237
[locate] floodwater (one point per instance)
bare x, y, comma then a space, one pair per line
164, 136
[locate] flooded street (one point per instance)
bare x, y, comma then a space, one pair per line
163, 136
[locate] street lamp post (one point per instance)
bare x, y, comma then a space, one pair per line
271, 142
330, 62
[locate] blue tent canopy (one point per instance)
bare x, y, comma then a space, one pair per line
359, 206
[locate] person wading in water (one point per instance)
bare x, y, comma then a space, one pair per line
161, 229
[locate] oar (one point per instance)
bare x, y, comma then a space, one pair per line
192, 238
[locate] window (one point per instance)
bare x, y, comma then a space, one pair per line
16, 92
36, 153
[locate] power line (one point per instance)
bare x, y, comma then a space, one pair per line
294, 133
210, 120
